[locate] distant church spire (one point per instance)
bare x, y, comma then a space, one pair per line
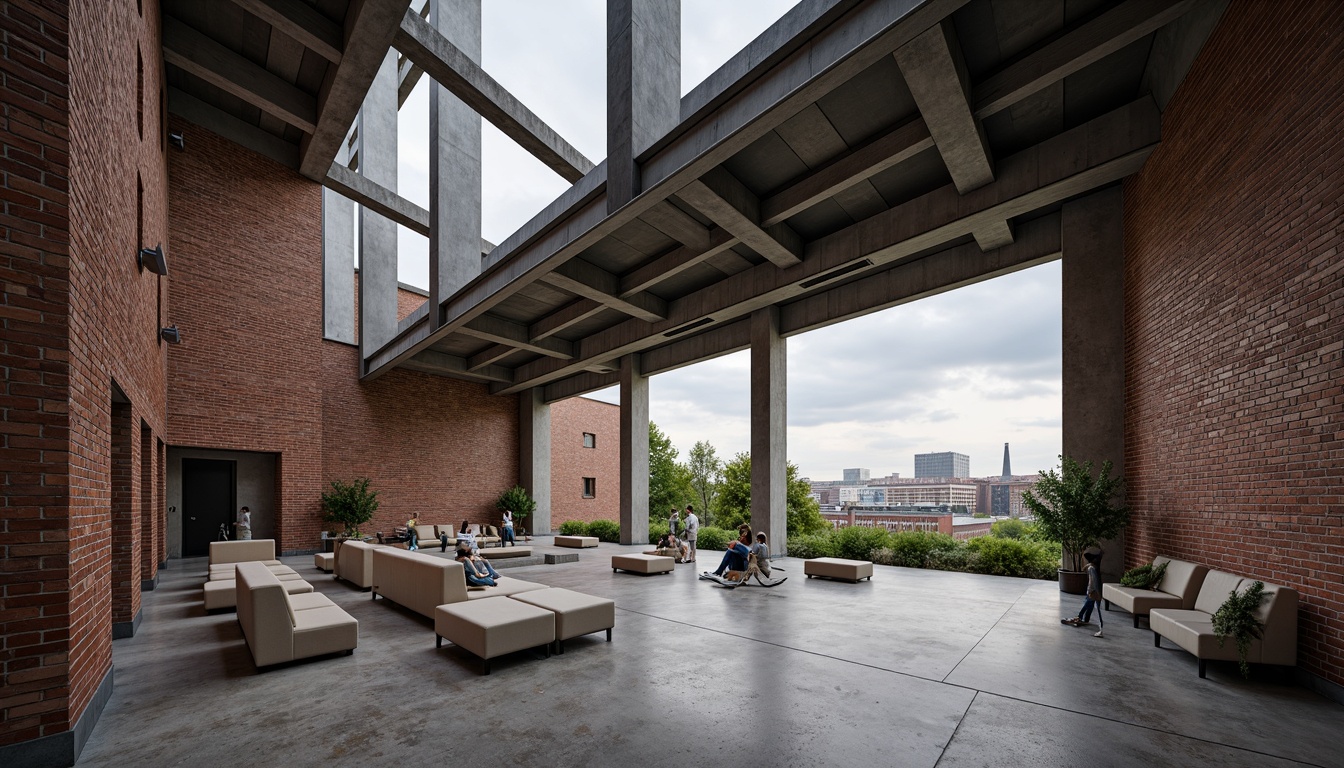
1007, 469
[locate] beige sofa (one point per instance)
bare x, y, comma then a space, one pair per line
422, 582
279, 628
429, 534
1178, 589
228, 552
1193, 629
354, 562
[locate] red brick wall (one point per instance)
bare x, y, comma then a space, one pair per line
571, 462
1234, 303
247, 293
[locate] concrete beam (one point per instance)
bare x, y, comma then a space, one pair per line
201, 56
300, 22
1084, 45
338, 262
492, 354
581, 384
568, 315
643, 87
634, 452
582, 278
377, 233
377, 198
440, 364
936, 73
1084, 158
369, 28
534, 456
678, 225
721, 197
993, 234
460, 74
769, 429
238, 131
675, 262
1175, 48
501, 331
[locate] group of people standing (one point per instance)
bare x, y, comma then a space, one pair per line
681, 535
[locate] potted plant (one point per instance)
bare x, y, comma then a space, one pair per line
1077, 510
350, 505
520, 503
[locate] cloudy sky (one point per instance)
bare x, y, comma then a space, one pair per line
965, 371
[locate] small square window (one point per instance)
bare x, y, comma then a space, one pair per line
589, 487
589, 440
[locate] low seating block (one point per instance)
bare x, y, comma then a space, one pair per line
246, 550
493, 627
576, 614
1192, 629
278, 631
577, 542
500, 553
324, 561
553, 558
838, 568
643, 564
1179, 587
222, 593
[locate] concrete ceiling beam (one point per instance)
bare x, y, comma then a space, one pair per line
572, 313
493, 354
189, 107
936, 74
300, 22
678, 225
501, 331
194, 52
674, 263
724, 199
440, 364
583, 278
377, 198
994, 234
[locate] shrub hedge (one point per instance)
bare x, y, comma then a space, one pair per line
573, 528
605, 530
711, 538
1008, 555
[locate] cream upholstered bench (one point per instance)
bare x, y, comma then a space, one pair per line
576, 614
493, 627
577, 542
324, 561
642, 564
354, 562
279, 628
221, 592
1179, 586
838, 568
244, 551
1193, 631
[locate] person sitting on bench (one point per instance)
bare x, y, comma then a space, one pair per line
477, 571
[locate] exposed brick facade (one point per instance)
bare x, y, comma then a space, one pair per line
571, 462
1234, 304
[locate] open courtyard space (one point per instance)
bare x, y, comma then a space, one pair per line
912, 668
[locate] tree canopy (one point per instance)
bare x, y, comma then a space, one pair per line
706, 470
669, 481
732, 506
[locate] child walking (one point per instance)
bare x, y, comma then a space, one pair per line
1093, 596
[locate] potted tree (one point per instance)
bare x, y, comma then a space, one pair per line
1077, 510
520, 503
350, 505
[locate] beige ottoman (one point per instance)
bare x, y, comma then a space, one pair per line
837, 568
578, 542
576, 614
642, 564
494, 626
324, 561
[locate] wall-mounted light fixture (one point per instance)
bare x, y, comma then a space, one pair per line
171, 334
177, 142
154, 260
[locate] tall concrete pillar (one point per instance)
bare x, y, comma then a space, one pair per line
643, 87
534, 460
634, 452
338, 262
378, 235
769, 426
1093, 298
454, 163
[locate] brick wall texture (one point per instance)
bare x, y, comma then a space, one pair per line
1234, 303
571, 462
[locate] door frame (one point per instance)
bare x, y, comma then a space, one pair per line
233, 497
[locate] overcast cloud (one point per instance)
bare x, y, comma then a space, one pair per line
963, 371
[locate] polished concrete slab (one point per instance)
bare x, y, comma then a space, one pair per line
915, 668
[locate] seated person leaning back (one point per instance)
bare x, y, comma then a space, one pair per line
476, 569
735, 559
464, 534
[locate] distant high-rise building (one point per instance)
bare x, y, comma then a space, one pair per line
856, 475
946, 464
1007, 467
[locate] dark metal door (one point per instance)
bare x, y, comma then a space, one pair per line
207, 503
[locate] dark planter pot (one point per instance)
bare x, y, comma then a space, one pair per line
1073, 582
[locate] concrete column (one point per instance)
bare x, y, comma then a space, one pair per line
378, 235
643, 86
634, 452
454, 163
338, 262
1093, 298
769, 426
534, 460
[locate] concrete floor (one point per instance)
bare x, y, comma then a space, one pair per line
915, 668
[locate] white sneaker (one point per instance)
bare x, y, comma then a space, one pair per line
1098, 634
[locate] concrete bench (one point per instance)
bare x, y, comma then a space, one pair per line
642, 564
324, 561
577, 542
576, 614
493, 627
838, 568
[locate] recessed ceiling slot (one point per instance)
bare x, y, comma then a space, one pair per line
826, 277
701, 323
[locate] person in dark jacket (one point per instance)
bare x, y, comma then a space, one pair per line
1084, 616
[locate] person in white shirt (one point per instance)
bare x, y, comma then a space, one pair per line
692, 530
244, 525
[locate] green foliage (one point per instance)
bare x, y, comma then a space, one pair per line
810, 545
1235, 618
1076, 509
1144, 577
1010, 529
518, 501
705, 470
712, 538
573, 528
914, 549
350, 505
1010, 557
733, 505
858, 542
669, 482
605, 530
929, 549
982, 516
657, 531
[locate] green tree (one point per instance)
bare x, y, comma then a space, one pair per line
706, 470
669, 481
350, 505
733, 505
1076, 509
